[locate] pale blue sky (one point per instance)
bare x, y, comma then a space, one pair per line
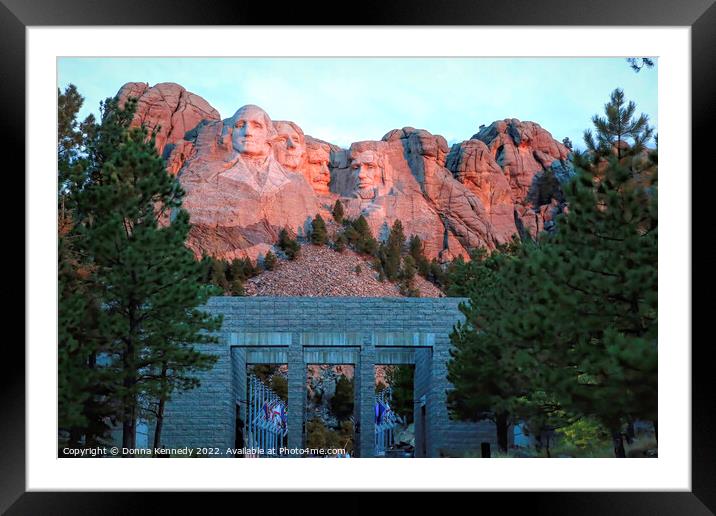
342, 100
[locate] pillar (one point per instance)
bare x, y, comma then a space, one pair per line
296, 392
366, 398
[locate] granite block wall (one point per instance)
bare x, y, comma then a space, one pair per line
398, 330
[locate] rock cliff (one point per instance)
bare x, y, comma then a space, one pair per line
247, 177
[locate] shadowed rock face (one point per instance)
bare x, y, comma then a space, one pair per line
246, 177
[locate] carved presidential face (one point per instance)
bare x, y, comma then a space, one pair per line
290, 145
317, 171
367, 171
251, 131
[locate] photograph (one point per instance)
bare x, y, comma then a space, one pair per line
357, 257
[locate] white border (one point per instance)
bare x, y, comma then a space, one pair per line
670, 471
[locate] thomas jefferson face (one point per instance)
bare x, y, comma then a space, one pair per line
367, 172
290, 145
251, 132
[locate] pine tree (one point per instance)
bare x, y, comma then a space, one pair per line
601, 266
490, 373
85, 402
417, 251
619, 130
319, 234
401, 381
288, 245
342, 400
148, 282
407, 278
390, 252
361, 237
340, 243
270, 261
338, 211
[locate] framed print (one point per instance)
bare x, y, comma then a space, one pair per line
414, 237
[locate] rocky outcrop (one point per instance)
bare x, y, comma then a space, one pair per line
170, 108
246, 177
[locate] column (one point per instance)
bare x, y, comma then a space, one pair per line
366, 397
296, 392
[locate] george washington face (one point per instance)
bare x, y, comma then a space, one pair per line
251, 131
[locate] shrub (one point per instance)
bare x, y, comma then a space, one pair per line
288, 245
270, 261
338, 212
319, 235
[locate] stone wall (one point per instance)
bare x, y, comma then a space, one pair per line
363, 331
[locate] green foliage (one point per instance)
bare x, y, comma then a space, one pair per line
228, 277
401, 379
407, 278
390, 251
358, 269
567, 326
617, 128
140, 320
583, 433
288, 245
270, 261
417, 251
318, 435
340, 243
342, 401
319, 235
338, 211
360, 237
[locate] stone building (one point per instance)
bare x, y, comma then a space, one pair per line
299, 331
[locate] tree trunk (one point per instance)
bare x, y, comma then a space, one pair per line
129, 416
501, 421
160, 409
160, 422
631, 433
618, 440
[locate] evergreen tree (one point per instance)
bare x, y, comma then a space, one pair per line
342, 400
361, 237
417, 251
340, 243
401, 380
270, 261
218, 275
85, 401
148, 283
288, 245
338, 211
601, 266
319, 234
407, 278
390, 252
490, 374
618, 130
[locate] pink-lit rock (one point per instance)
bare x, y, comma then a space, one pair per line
238, 195
169, 107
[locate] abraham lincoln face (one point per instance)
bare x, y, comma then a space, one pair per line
368, 172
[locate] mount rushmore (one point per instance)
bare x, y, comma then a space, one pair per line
247, 176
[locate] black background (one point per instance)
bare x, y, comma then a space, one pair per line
15, 15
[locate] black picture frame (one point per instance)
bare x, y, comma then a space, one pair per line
700, 15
